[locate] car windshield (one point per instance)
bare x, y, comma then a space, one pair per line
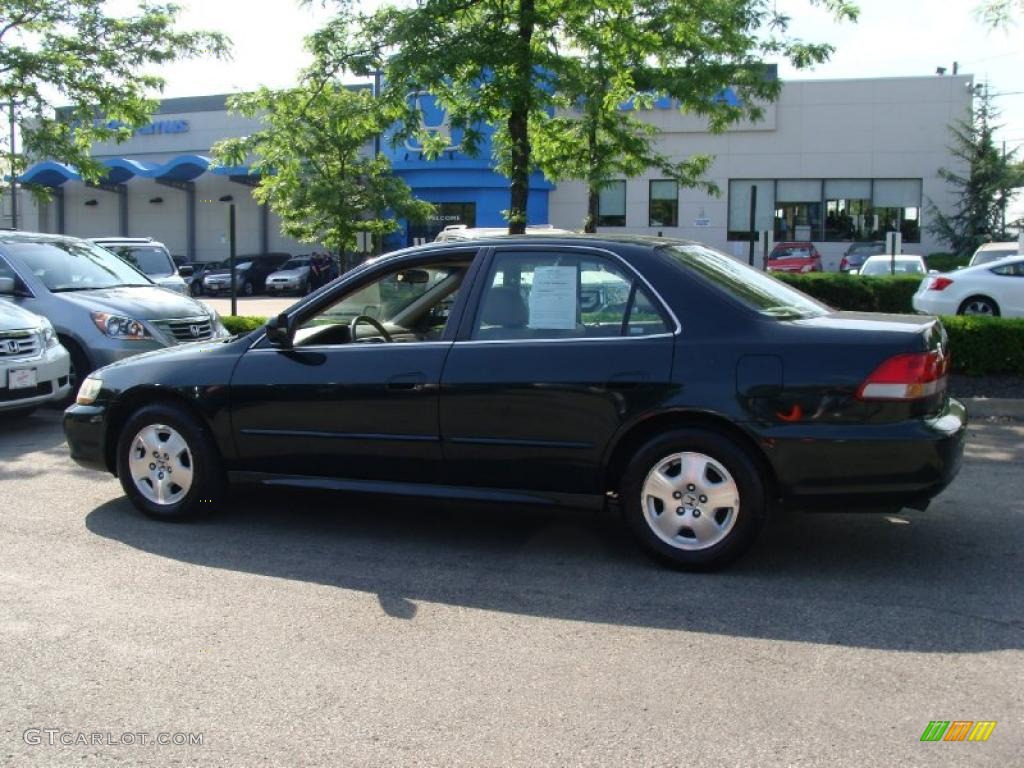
865, 250
757, 290
791, 252
984, 257
70, 265
151, 259
295, 264
884, 267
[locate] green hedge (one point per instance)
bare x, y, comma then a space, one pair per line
946, 262
857, 294
242, 323
986, 345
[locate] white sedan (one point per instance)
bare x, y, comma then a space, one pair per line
994, 289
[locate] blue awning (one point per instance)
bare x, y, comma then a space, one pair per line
122, 169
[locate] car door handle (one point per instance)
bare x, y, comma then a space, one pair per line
408, 381
628, 380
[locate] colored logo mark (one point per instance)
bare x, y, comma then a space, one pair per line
958, 730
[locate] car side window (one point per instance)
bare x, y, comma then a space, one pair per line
539, 295
1010, 270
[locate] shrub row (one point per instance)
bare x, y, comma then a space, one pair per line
985, 345
857, 294
946, 262
242, 323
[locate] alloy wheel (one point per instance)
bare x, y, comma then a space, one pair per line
160, 463
690, 501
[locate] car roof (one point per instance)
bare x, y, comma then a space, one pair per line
998, 246
24, 236
899, 257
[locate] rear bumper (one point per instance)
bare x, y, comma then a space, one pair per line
869, 466
85, 427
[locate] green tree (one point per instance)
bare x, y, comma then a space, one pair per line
984, 184
637, 50
999, 13
317, 171
74, 53
513, 63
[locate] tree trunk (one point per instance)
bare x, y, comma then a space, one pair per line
593, 198
519, 123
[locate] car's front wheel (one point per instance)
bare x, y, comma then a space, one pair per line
168, 464
247, 289
694, 498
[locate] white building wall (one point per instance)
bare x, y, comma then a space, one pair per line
827, 129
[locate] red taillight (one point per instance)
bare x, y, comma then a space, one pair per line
907, 377
844, 264
940, 284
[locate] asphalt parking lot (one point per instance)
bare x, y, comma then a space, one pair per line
308, 629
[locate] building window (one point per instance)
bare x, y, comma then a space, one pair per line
798, 210
663, 209
897, 207
611, 205
838, 210
848, 210
740, 192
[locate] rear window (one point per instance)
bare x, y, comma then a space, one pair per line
765, 294
791, 252
885, 267
150, 259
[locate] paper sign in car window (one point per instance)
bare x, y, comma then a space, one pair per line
553, 299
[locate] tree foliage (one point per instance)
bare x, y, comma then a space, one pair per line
634, 51
316, 170
552, 74
71, 52
999, 13
984, 183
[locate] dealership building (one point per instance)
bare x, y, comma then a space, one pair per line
832, 161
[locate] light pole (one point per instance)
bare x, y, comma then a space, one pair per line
14, 174
231, 251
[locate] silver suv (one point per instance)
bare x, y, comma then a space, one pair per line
103, 309
34, 367
149, 257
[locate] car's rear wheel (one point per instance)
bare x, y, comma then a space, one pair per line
979, 305
694, 498
168, 464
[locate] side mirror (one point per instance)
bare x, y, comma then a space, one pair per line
186, 271
278, 331
6, 286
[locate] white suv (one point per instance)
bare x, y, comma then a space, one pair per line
34, 367
149, 257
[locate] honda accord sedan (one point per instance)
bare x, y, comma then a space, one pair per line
473, 370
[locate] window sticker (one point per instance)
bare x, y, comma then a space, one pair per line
553, 299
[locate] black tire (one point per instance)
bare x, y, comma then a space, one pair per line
80, 368
207, 485
247, 289
749, 515
979, 301
307, 287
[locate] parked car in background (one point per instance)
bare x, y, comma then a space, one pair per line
292, 277
465, 384
794, 257
858, 253
149, 257
904, 264
995, 289
194, 281
251, 273
993, 252
102, 308
34, 367
455, 232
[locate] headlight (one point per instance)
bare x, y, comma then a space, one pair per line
89, 391
806, 267
118, 327
49, 335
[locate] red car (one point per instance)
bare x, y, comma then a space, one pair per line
794, 257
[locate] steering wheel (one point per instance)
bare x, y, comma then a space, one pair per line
370, 321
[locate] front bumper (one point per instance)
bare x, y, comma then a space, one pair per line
51, 380
85, 427
282, 287
868, 466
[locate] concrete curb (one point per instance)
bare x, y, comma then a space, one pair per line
999, 407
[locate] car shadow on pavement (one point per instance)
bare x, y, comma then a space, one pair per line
931, 582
